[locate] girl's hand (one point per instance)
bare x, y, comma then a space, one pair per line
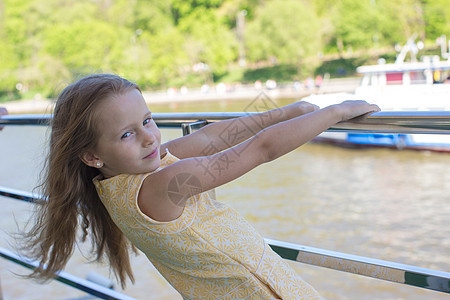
3, 112
299, 108
353, 108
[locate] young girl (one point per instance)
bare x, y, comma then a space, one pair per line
107, 164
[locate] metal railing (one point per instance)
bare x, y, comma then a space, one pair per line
433, 122
437, 122
84, 285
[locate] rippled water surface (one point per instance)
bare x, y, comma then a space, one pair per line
385, 204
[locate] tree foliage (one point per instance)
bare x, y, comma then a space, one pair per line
159, 43
285, 30
437, 18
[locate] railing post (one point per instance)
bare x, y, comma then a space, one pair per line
187, 128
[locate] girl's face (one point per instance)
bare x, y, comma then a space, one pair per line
129, 140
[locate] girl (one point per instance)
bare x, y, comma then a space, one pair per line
107, 164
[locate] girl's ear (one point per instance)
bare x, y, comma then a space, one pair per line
91, 160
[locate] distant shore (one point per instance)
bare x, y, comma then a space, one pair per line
227, 92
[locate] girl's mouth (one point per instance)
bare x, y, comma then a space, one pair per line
153, 154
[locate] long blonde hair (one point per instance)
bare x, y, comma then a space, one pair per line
70, 198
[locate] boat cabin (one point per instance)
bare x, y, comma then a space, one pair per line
430, 71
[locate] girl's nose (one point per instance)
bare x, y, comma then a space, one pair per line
148, 138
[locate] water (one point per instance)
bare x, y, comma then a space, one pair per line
385, 204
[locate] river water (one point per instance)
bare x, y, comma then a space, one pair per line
385, 204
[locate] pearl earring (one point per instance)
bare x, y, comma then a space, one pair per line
99, 164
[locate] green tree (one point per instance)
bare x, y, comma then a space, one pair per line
399, 20
286, 30
437, 18
96, 44
9, 61
208, 40
151, 16
8, 66
25, 25
19, 44
165, 58
355, 24
367, 24
183, 8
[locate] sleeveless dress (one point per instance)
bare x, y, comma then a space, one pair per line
209, 252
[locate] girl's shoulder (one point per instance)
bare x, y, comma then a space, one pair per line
118, 186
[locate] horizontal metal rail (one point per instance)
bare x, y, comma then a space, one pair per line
437, 122
19, 195
68, 279
375, 268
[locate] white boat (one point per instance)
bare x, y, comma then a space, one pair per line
401, 86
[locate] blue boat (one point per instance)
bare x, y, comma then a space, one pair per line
420, 142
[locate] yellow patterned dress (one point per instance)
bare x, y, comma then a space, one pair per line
209, 252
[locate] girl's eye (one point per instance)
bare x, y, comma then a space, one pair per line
127, 134
146, 121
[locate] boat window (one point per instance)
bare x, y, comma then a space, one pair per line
417, 77
394, 78
441, 76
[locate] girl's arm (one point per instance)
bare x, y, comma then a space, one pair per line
222, 135
164, 193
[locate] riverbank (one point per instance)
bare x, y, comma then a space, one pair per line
220, 92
